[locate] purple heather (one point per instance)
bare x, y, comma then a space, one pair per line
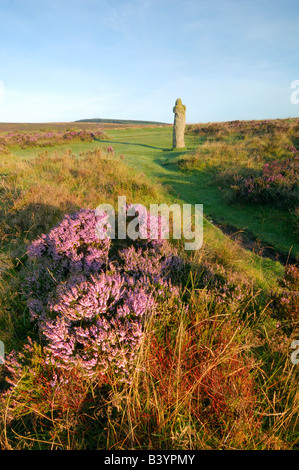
91, 308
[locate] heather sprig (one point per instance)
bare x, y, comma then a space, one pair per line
277, 182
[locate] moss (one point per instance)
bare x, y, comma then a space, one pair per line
179, 107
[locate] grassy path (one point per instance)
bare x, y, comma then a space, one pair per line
148, 150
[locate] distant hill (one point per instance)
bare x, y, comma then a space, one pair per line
125, 121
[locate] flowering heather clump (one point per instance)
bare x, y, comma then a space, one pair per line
70, 248
278, 182
90, 305
95, 322
43, 139
250, 127
156, 263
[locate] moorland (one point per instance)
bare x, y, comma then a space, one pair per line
214, 367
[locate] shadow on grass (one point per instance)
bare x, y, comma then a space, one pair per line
169, 151
111, 142
196, 187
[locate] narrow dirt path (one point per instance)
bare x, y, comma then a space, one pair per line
248, 241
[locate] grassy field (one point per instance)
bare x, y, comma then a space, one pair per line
214, 368
273, 226
149, 150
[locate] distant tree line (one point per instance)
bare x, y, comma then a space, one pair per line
122, 121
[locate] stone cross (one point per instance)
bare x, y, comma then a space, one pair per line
179, 124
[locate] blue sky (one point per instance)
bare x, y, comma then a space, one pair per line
62, 60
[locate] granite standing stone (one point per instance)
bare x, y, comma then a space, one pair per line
179, 124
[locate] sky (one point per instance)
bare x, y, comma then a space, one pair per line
64, 60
